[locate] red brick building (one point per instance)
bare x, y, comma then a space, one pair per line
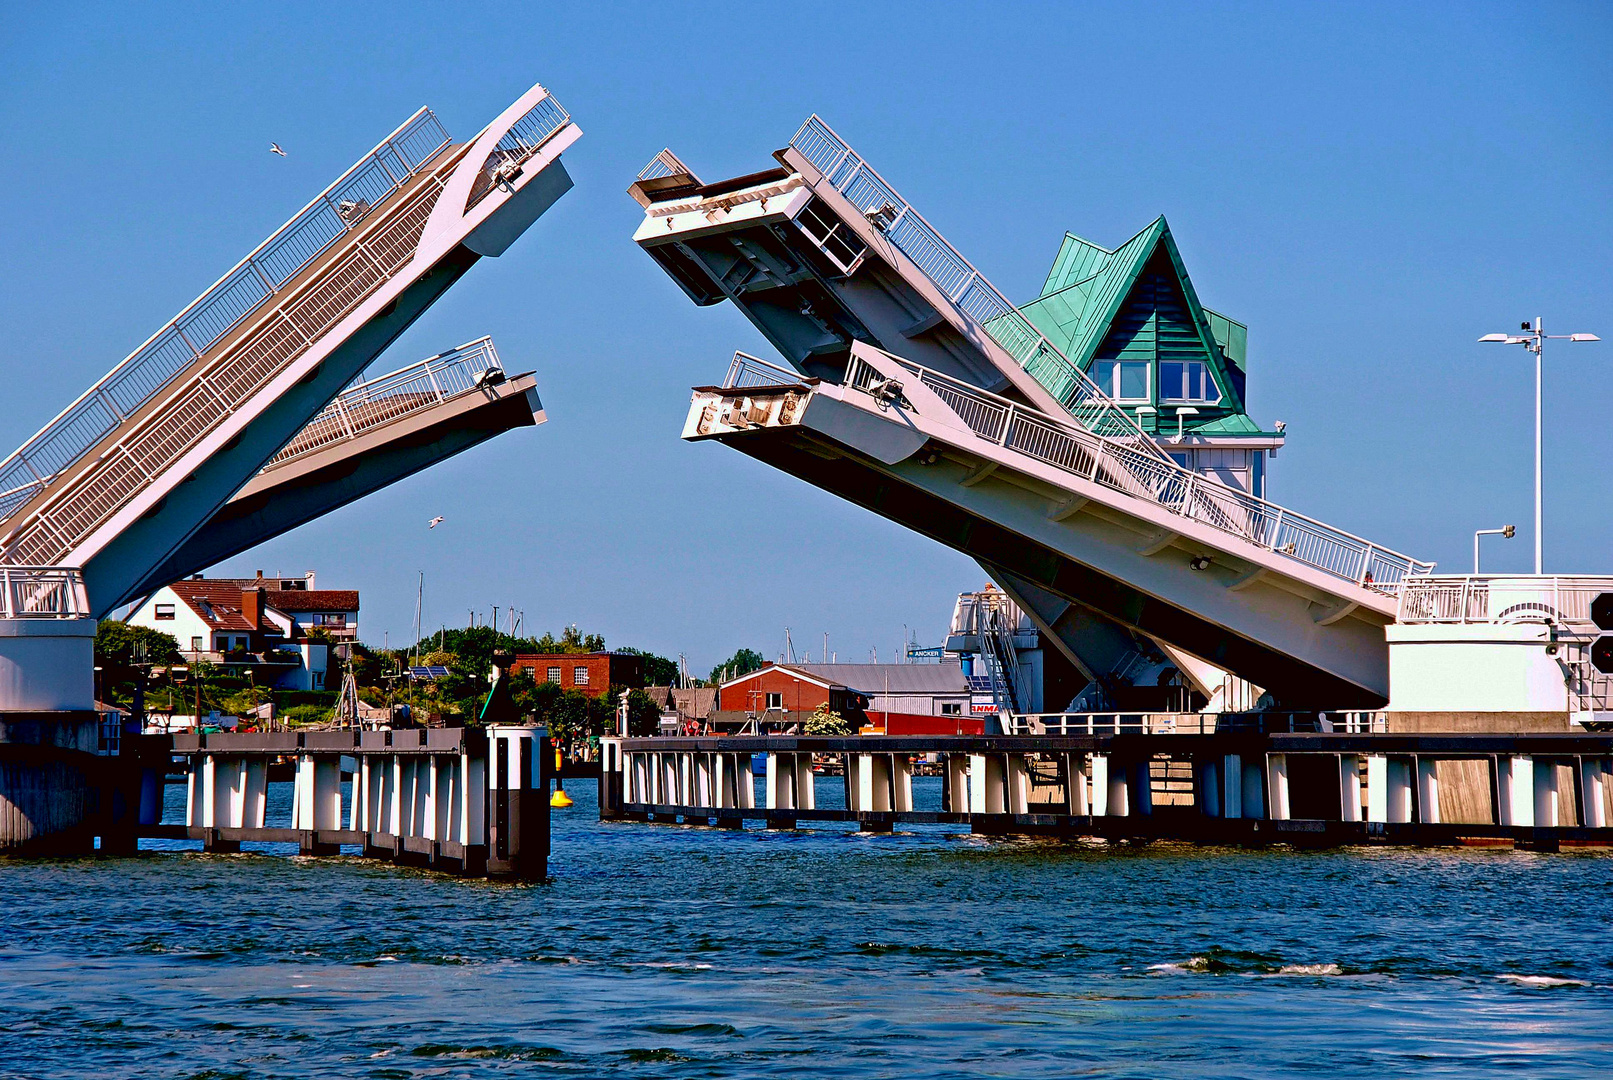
587, 673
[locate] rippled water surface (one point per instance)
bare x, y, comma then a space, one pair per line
671, 952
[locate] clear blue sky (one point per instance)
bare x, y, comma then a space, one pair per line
1369, 187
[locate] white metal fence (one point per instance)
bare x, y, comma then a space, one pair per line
373, 404
1500, 598
1165, 483
42, 592
965, 287
245, 289
1135, 723
535, 127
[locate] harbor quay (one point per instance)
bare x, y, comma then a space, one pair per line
1248, 786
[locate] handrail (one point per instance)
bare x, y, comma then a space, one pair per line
524, 138
1502, 598
244, 289
1168, 484
1161, 723
966, 288
43, 592
369, 405
745, 371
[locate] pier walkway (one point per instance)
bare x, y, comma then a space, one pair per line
1252, 785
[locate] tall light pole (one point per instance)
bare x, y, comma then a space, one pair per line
1533, 337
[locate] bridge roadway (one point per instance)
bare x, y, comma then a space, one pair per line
371, 436
835, 267
122, 479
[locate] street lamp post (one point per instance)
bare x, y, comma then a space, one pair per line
1533, 337
1508, 531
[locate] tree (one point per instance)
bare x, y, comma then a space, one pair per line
742, 662
115, 642
643, 715
825, 721
658, 670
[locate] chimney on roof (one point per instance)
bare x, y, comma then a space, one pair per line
252, 606
196, 577
260, 574
310, 579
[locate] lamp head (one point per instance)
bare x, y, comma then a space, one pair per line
1509, 531
1583, 337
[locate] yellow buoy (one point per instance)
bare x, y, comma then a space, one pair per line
560, 798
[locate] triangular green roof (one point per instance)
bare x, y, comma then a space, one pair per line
1138, 299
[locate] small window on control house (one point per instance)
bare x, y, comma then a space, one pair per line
579, 676
1187, 381
554, 675
1123, 380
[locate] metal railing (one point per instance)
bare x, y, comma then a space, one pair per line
278, 334
746, 371
373, 404
42, 592
965, 287
243, 290
1501, 598
666, 163
1143, 723
1165, 483
524, 138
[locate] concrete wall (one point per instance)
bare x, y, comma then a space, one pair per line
1466, 673
47, 664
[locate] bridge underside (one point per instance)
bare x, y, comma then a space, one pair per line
285, 496
885, 490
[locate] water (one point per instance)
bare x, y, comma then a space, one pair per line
661, 951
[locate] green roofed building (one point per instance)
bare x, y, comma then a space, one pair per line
1130, 319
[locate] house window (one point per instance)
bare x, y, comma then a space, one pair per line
554, 675
339, 619
1187, 381
775, 701
195, 644
579, 676
163, 611
1123, 380
951, 708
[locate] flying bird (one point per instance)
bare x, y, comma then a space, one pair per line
434, 522
274, 148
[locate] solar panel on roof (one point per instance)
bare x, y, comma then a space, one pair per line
980, 684
432, 671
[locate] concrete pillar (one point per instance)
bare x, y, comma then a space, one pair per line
667, 793
1427, 791
1546, 815
901, 783
199, 792
302, 793
151, 785
1075, 781
1208, 788
957, 782
327, 793
873, 781
686, 780
1140, 787
1349, 787
1253, 797
449, 794
746, 787
780, 785
1232, 786
402, 808
702, 780
1593, 776
1388, 788
425, 810
806, 793
1017, 784
1277, 785
1515, 790
1100, 786
1119, 789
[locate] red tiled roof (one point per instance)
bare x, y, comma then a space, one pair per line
216, 603
310, 599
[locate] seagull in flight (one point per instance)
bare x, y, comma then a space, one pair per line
434, 522
274, 148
